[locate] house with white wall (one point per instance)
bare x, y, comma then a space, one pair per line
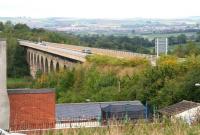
186, 110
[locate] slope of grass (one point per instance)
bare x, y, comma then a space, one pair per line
114, 61
13, 83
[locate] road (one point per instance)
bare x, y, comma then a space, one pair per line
75, 52
109, 52
64, 52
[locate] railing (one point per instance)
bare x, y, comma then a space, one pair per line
79, 56
78, 49
74, 122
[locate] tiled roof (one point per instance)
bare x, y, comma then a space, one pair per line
178, 107
87, 110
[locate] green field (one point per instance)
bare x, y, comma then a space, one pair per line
152, 36
24, 82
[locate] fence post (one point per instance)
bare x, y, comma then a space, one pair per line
146, 111
100, 119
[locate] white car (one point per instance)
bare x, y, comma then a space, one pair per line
3, 132
42, 43
88, 51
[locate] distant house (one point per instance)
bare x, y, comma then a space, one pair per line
91, 114
186, 110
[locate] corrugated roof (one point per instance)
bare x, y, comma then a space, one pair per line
123, 108
178, 107
87, 110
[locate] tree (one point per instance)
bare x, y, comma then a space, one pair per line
172, 40
181, 39
8, 29
190, 91
1, 26
16, 57
21, 27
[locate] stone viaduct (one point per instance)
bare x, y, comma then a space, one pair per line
44, 58
48, 57
45, 62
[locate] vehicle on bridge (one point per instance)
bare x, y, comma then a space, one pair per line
88, 51
41, 43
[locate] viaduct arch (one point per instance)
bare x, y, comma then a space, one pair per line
46, 63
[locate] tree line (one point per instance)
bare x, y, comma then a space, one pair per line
17, 65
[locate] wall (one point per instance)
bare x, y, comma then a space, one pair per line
32, 109
4, 102
190, 115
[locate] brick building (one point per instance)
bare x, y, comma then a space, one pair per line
32, 108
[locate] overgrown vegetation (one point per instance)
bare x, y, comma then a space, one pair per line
141, 128
106, 60
191, 48
167, 83
94, 81
105, 78
16, 55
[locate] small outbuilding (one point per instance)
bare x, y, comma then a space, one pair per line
94, 114
119, 112
187, 110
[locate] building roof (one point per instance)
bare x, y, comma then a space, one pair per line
122, 108
2, 39
178, 108
30, 91
87, 110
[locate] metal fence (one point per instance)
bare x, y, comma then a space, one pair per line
75, 122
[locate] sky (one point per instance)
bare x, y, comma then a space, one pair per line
106, 9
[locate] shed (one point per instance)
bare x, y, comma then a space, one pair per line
122, 111
76, 114
186, 110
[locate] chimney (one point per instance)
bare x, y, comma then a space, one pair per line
4, 101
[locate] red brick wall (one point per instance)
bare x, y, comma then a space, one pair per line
32, 111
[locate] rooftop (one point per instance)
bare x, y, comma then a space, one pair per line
178, 108
2, 39
88, 110
29, 91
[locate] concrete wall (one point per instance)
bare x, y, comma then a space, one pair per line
4, 102
190, 115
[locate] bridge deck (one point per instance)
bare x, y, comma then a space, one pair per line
68, 53
75, 52
109, 52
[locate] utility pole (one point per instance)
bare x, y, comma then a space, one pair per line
4, 101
